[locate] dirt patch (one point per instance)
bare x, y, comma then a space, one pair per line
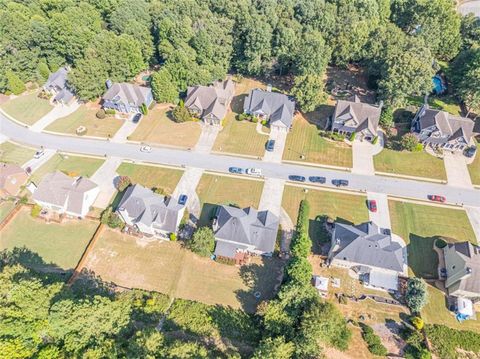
389, 334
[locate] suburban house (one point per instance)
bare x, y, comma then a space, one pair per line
210, 103
126, 98
440, 129
63, 194
150, 213
240, 232
353, 116
372, 254
462, 262
12, 177
57, 86
275, 107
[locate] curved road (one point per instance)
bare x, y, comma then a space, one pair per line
220, 163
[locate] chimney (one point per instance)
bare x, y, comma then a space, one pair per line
108, 83
269, 88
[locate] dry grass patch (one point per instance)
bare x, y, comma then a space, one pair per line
157, 127
27, 108
12, 153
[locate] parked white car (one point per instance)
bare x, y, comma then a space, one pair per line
38, 154
254, 171
147, 149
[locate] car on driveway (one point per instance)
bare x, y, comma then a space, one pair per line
254, 171
372, 205
296, 178
182, 199
339, 182
470, 152
235, 170
38, 154
436, 198
146, 149
317, 179
270, 145
137, 118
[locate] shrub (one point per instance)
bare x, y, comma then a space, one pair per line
418, 148
446, 341
35, 211
181, 113
416, 295
111, 219
14, 83
386, 118
144, 109
100, 114
159, 190
122, 183
299, 270
352, 136
375, 140
202, 242
23, 200
110, 111
173, 237
254, 119
43, 70
409, 142
373, 341
264, 122
417, 322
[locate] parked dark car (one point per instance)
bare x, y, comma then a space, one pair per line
339, 182
443, 272
270, 145
470, 152
182, 199
137, 118
296, 178
317, 179
235, 170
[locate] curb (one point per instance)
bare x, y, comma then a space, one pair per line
311, 164
424, 179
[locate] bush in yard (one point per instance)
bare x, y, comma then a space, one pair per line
274, 348
417, 322
301, 245
202, 242
173, 237
122, 183
447, 341
303, 217
386, 118
409, 142
254, 119
144, 109
14, 83
416, 295
373, 341
375, 140
264, 122
159, 190
111, 219
100, 114
110, 111
352, 136
35, 211
181, 113
43, 70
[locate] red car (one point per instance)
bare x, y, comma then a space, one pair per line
436, 198
372, 205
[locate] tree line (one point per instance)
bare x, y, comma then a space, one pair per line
400, 42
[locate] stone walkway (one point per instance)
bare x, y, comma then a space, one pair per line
104, 177
57, 112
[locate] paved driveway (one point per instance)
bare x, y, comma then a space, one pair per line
207, 138
126, 130
382, 216
36, 163
57, 112
104, 177
280, 138
457, 171
272, 194
188, 185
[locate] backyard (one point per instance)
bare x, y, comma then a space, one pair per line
59, 246
13, 153
304, 140
85, 116
420, 225
169, 268
419, 164
158, 128
70, 165
5, 208
28, 108
151, 176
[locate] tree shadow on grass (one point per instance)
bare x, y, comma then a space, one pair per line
319, 234
237, 103
320, 116
422, 258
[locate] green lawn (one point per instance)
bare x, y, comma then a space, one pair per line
27, 108
342, 207
419, 225
419, 164
85, 116
304, 139
57, 245
445, 103
213, 190
151, 176
69, 164
12, 153
5, 208
474, 169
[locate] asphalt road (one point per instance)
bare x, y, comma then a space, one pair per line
220, 163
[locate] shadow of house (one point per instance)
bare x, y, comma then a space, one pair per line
207, 214
321, 117
422, 258
237, 103
319, 234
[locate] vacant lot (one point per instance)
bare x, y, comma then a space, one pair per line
57, 245
85, 116
410, 163
304, 139
12, 153
151, 176
474, 170
420, 225
27, 108
157, 127
342, 207
168, 268
69, 164
213, 190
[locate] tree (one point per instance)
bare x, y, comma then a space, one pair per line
301, 245
416, 295
308, 92
14, 84
111, 219
465, 76
386, 118
163, 86
43, 71
417, 322
122, 183
313, 54
373, 341
181, 114
203, 242
299, 270
409, 142
274, 348
470, 31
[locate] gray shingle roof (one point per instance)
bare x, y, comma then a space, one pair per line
470, 257
364, 114
278, 107
57, 79
365, 244
246, 227
127, 93
151, 209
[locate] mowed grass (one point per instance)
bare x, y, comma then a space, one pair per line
85, 116
12, 153
304, 139
5, 208
69, 164
343, 207
420, 225
419, 164
27, 109
213, 190
151, 176
474, 169
158, 128
59, 246
169, 268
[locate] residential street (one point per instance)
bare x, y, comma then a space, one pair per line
387, 185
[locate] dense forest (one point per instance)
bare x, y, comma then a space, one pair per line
401, 43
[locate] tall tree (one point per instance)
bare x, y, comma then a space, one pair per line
465, 75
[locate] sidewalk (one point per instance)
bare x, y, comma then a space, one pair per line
57, 112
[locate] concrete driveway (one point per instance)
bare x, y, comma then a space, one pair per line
280, 138
457, 170
272, 195
382, 216
363, 152
104, 177
35, 163
57, 112
126, 130
207, 138
188, 185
